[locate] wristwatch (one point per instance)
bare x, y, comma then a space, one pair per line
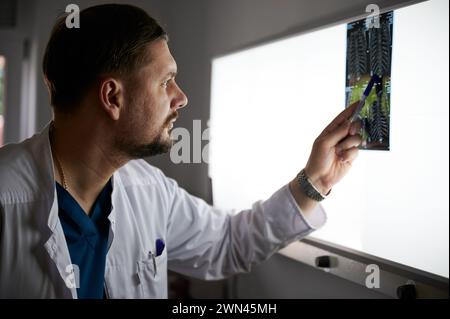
308, 188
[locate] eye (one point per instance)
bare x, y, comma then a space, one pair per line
166, 83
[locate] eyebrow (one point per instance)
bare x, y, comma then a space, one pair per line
172, 74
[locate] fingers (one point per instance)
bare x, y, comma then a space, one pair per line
337, 135
346, 128
349, 155
341, 118
349, 142
355, 128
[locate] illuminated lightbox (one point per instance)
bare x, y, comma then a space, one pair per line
269, 103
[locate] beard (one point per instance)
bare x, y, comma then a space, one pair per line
161, 144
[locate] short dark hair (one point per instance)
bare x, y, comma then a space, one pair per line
112, 38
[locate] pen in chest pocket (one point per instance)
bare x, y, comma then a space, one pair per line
159, 245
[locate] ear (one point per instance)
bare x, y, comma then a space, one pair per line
112, 97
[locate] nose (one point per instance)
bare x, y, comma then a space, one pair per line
180, 99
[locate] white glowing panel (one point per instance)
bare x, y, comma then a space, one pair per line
269, 104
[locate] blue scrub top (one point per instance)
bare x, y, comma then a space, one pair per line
87, 239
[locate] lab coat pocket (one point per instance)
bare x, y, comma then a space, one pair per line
121, 282
152, 276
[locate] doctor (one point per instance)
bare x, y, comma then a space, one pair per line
83, 216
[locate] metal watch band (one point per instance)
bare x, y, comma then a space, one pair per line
309, 188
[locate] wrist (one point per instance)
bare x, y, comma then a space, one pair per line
305, 203
318, 183
311, 190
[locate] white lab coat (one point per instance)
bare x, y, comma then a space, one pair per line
201, 241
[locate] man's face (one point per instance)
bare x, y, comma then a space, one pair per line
152, 99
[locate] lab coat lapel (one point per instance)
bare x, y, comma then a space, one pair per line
58, 251
116, 186
55, 245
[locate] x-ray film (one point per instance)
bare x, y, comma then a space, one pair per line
369, 52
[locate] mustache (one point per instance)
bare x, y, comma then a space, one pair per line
171, 117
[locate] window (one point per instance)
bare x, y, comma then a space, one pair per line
2, 97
